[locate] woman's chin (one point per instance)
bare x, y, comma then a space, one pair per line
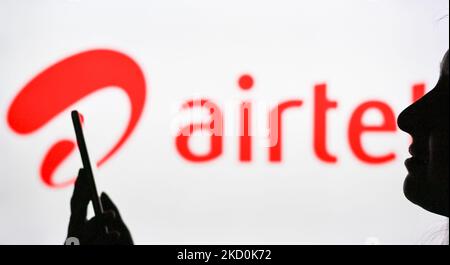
415, 192
411, 189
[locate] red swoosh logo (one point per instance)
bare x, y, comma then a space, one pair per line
61, 85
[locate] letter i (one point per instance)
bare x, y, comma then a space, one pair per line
245, 139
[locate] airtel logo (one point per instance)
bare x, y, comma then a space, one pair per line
62, 85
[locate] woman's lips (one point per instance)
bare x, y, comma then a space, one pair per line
415, 165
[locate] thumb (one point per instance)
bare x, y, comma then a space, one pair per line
80, 197
79, 202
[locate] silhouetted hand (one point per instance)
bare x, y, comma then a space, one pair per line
94, 231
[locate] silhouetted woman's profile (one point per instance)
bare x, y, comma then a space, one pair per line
427, 121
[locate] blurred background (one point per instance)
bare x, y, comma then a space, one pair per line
363, 50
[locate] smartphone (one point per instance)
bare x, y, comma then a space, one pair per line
96, 203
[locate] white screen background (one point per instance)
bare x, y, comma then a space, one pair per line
362, 49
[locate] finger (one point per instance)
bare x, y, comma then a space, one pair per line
110, 238
95, 232
94, 228
108, 204
113, 235
98, 223
102, 238
117, 223
79, 201
107, 217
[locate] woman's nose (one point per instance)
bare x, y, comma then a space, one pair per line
405, 120
417, 118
